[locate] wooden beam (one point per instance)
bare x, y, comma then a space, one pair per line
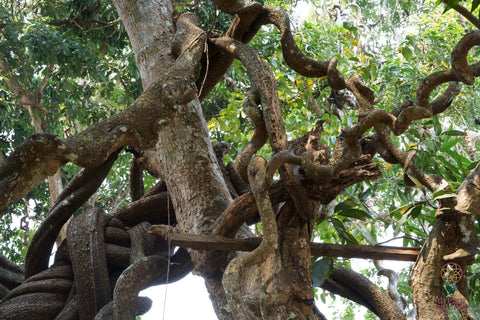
203, 242
364, 252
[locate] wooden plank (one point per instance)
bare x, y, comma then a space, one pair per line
365, 252
203, 242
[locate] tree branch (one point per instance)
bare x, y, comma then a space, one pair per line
12, 80
45, 79
81, 22
466, 13
357, 287
137, 126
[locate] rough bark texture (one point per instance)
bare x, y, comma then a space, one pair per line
427, 283
186, 152
150, 28
183, 156
453, 238
294, 278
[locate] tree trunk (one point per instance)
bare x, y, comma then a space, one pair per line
183, 156
452, 239
150, 28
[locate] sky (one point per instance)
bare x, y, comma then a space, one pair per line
184, 299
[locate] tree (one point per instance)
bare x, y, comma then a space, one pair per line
106, 259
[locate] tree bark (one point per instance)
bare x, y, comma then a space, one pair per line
453, 238
183, 155
150, 28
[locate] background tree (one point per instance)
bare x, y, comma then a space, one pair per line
335, 122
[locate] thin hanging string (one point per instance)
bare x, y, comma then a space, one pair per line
168, 253
205, 50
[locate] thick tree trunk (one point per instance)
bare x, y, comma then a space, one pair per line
198, 191
452, 239
427, 286
183, 156
150, 28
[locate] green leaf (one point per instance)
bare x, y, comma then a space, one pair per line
455, 170
448, 144
366, 234
354, 213
451, 4
407, 53
455, 132
348, 209
321, 270
462, 162
344, 205
401, 194
412, 212
443, 194
322, 297
365, 194
472, 165
437, 127
475, 4
342, 231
